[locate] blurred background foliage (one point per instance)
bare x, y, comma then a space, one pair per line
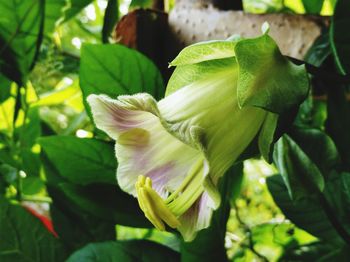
52, 158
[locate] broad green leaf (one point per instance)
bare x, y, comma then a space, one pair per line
110, 19
213, 238
313, 6
318, 146
299, 172
126, 251
5, 88
107, 202
117, 70
307, 213
81, 160
204, 51
339, 35
266, 78
75, 227
187, 74
21, 30
24, 238
53, 13
74, 7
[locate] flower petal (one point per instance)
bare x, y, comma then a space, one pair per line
196, 218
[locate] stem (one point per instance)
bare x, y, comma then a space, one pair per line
249, 233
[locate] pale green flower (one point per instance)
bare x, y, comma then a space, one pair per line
172, 153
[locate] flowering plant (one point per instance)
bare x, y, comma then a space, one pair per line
172, 153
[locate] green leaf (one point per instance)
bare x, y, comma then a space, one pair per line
126, 251
318, 146
273, 238
81, 160
110, 19
213, 238
117, 70
307, 213
5, 88
21, 30
299, 172
204, 51
339, 36
75, 227
24, 238
313, 6
140, 3
8, 173
317, 251
74, 7
31, 130
266, 78
106, 202
266, 137
53, 13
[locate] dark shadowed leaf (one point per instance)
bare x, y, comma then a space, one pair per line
21, 30
110, 19
126, 251
24, 238
307, 213
317, 251
5, 88
340, 37
107, 202
338, 122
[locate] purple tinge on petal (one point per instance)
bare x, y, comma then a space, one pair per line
160, 178
197, 217
113, 117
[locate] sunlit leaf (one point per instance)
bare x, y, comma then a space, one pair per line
117, 70
81, 160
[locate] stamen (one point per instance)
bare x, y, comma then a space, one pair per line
153, 205
193, 171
